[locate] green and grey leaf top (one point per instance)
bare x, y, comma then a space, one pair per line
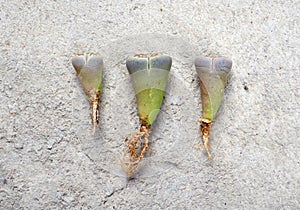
89, 71
149, 75
213, 73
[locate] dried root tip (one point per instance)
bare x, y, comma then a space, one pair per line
205, 129
137, 146
146, 132
95, 114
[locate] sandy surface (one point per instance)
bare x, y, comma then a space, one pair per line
50, 160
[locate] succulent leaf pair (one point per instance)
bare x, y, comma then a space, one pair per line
149, 75
89, 71
213, 73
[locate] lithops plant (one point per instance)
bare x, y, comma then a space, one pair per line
149, 75
89, 71
213, 73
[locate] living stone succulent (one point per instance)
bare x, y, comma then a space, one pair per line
149, 75
89, 71
213, 73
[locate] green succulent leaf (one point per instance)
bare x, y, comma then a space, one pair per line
89, 71
213, 73
149, 75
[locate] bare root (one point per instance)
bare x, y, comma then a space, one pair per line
95, 114
137, 146
205, 130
